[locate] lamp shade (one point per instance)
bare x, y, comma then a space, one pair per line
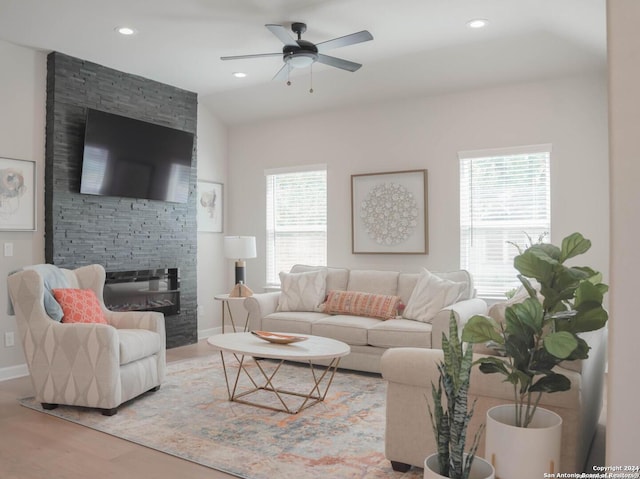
240, 247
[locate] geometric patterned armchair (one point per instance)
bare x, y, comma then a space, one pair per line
87, 364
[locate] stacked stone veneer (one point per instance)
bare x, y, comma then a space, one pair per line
119, 233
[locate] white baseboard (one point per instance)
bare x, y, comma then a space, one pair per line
13, 372
205, 333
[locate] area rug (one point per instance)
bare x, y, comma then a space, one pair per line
190, 417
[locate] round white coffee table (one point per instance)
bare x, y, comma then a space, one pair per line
246, 346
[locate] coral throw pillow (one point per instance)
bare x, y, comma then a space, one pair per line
79, 306
358, 303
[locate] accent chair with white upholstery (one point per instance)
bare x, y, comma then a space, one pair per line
86, 364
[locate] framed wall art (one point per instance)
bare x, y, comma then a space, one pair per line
389, 213
17, 195
210, 206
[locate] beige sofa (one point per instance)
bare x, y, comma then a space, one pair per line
410, 372
368, 337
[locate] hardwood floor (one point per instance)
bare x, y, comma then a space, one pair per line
37, 446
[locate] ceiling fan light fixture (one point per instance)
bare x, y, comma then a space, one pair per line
239, 74
300, 60
477, 23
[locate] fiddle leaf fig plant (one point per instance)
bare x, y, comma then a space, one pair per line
543, 330
450, 421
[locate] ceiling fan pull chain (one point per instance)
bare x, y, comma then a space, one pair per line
311, 78
288, 75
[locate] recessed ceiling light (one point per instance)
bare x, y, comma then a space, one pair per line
126, 30
239, 74
477, 23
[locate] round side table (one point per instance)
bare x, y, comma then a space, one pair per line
226, 301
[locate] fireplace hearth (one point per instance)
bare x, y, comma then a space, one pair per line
143, 290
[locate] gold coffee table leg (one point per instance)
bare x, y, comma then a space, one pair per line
314, 396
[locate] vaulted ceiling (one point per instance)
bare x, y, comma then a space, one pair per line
420, 47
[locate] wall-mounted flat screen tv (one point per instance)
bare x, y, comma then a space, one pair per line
135, 159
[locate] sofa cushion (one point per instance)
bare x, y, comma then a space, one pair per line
370, 281
400, 333
357, 303
302, 291
430, 295
79, 305
337, 278
137, 344
350, 329
291, 322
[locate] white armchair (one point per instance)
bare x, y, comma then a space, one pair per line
85, 364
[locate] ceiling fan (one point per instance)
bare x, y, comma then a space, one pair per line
299, 53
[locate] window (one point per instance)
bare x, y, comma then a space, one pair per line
296, 219
504, 196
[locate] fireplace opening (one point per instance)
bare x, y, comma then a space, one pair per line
143, 290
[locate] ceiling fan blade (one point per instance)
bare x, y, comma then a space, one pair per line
282, 33
257, 55
338, 63
282, 74
359, 37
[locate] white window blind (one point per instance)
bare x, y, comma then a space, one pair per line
504, 196
296, 220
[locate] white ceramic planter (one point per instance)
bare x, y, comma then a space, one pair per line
480, 469
519, 452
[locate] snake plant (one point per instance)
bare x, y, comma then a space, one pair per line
450, 421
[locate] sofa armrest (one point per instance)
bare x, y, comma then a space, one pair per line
411, 366
463, 311
259, 305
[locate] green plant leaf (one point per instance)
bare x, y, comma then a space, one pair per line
543, 362
520, 350
535, 264
548, 249
588, 292
551, 384
528, 286
581, 352
481, 329
574, 245
561, 344
492, 365
589, 317
524, 319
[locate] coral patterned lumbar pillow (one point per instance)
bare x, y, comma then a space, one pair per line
79, 306
358, 303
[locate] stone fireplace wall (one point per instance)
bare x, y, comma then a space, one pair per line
119, 233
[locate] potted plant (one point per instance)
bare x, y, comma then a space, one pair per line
541, 332
450, 420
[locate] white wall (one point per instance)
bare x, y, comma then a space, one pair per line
623, 433
570, 113
22, 124
212, 166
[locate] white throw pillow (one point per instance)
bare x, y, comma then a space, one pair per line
430, 295
302, 291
